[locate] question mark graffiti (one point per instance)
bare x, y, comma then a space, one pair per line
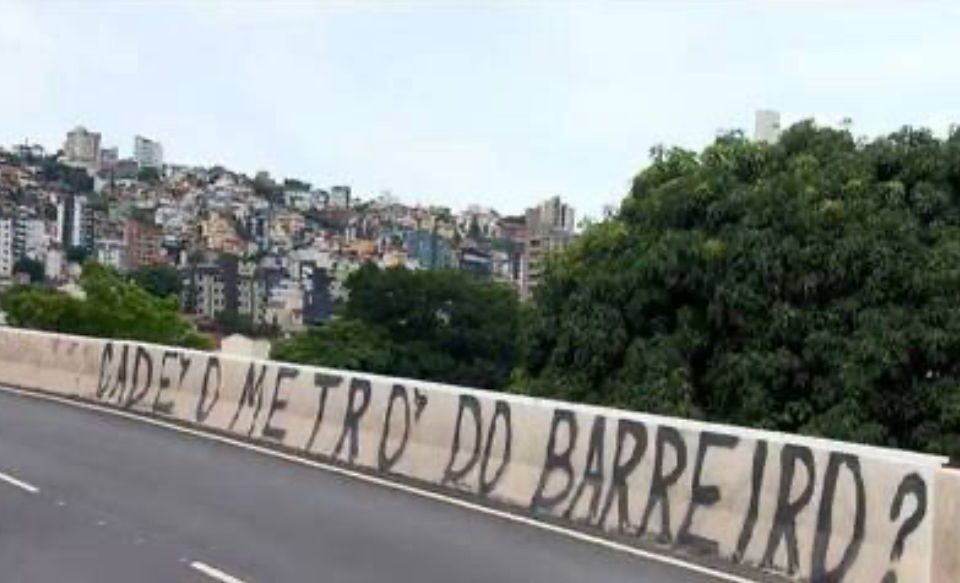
911, 484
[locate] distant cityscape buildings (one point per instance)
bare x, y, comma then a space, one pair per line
766, 126
255, 250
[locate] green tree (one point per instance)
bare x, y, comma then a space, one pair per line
340, 343
232, 322
72, 179
437, 325
111, 308
807, 286
160, 280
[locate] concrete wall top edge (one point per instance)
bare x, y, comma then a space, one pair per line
867, 451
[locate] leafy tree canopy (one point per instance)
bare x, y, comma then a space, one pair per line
810, 286
160, 280
437, 325
340, 343
73, 179
112, 308
231, 322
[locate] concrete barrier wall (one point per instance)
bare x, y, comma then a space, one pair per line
812, 509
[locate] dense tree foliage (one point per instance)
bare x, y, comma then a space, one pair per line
111, 308
72, 179
160, 280
437, 325
812, 285
340, 343
231, 322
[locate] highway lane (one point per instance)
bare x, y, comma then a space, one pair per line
121, 500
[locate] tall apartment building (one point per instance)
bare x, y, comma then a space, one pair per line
29, 238
225, 284
6, 247
75, 222
251, 292
317, 301
766, 126
82, 148
148, 153
552, 215
143, 244
549, 229
109, 158
511, 267
258, 225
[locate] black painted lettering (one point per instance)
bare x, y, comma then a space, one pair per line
138, 390
120, 383
386, 461
557, 462
703, 495
756, 485
622, 469
785, 518
821, 540
487, 484
661, 482
164, 382
203, 410
324, 382
911, 484
271, 431
106, 363
593, 474
419, 403
451, 475
185, 362
358, 399
251, 396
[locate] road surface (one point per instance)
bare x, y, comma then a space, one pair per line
119, 500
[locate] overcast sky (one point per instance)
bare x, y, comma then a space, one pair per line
498, 103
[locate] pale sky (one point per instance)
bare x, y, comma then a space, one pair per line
497, 103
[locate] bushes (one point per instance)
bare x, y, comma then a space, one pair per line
111, 308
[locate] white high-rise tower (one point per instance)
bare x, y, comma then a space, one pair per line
767, 126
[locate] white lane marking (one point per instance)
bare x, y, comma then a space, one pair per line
214, 573
18, 483
575, 534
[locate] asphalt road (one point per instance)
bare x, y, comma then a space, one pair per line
123, 501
